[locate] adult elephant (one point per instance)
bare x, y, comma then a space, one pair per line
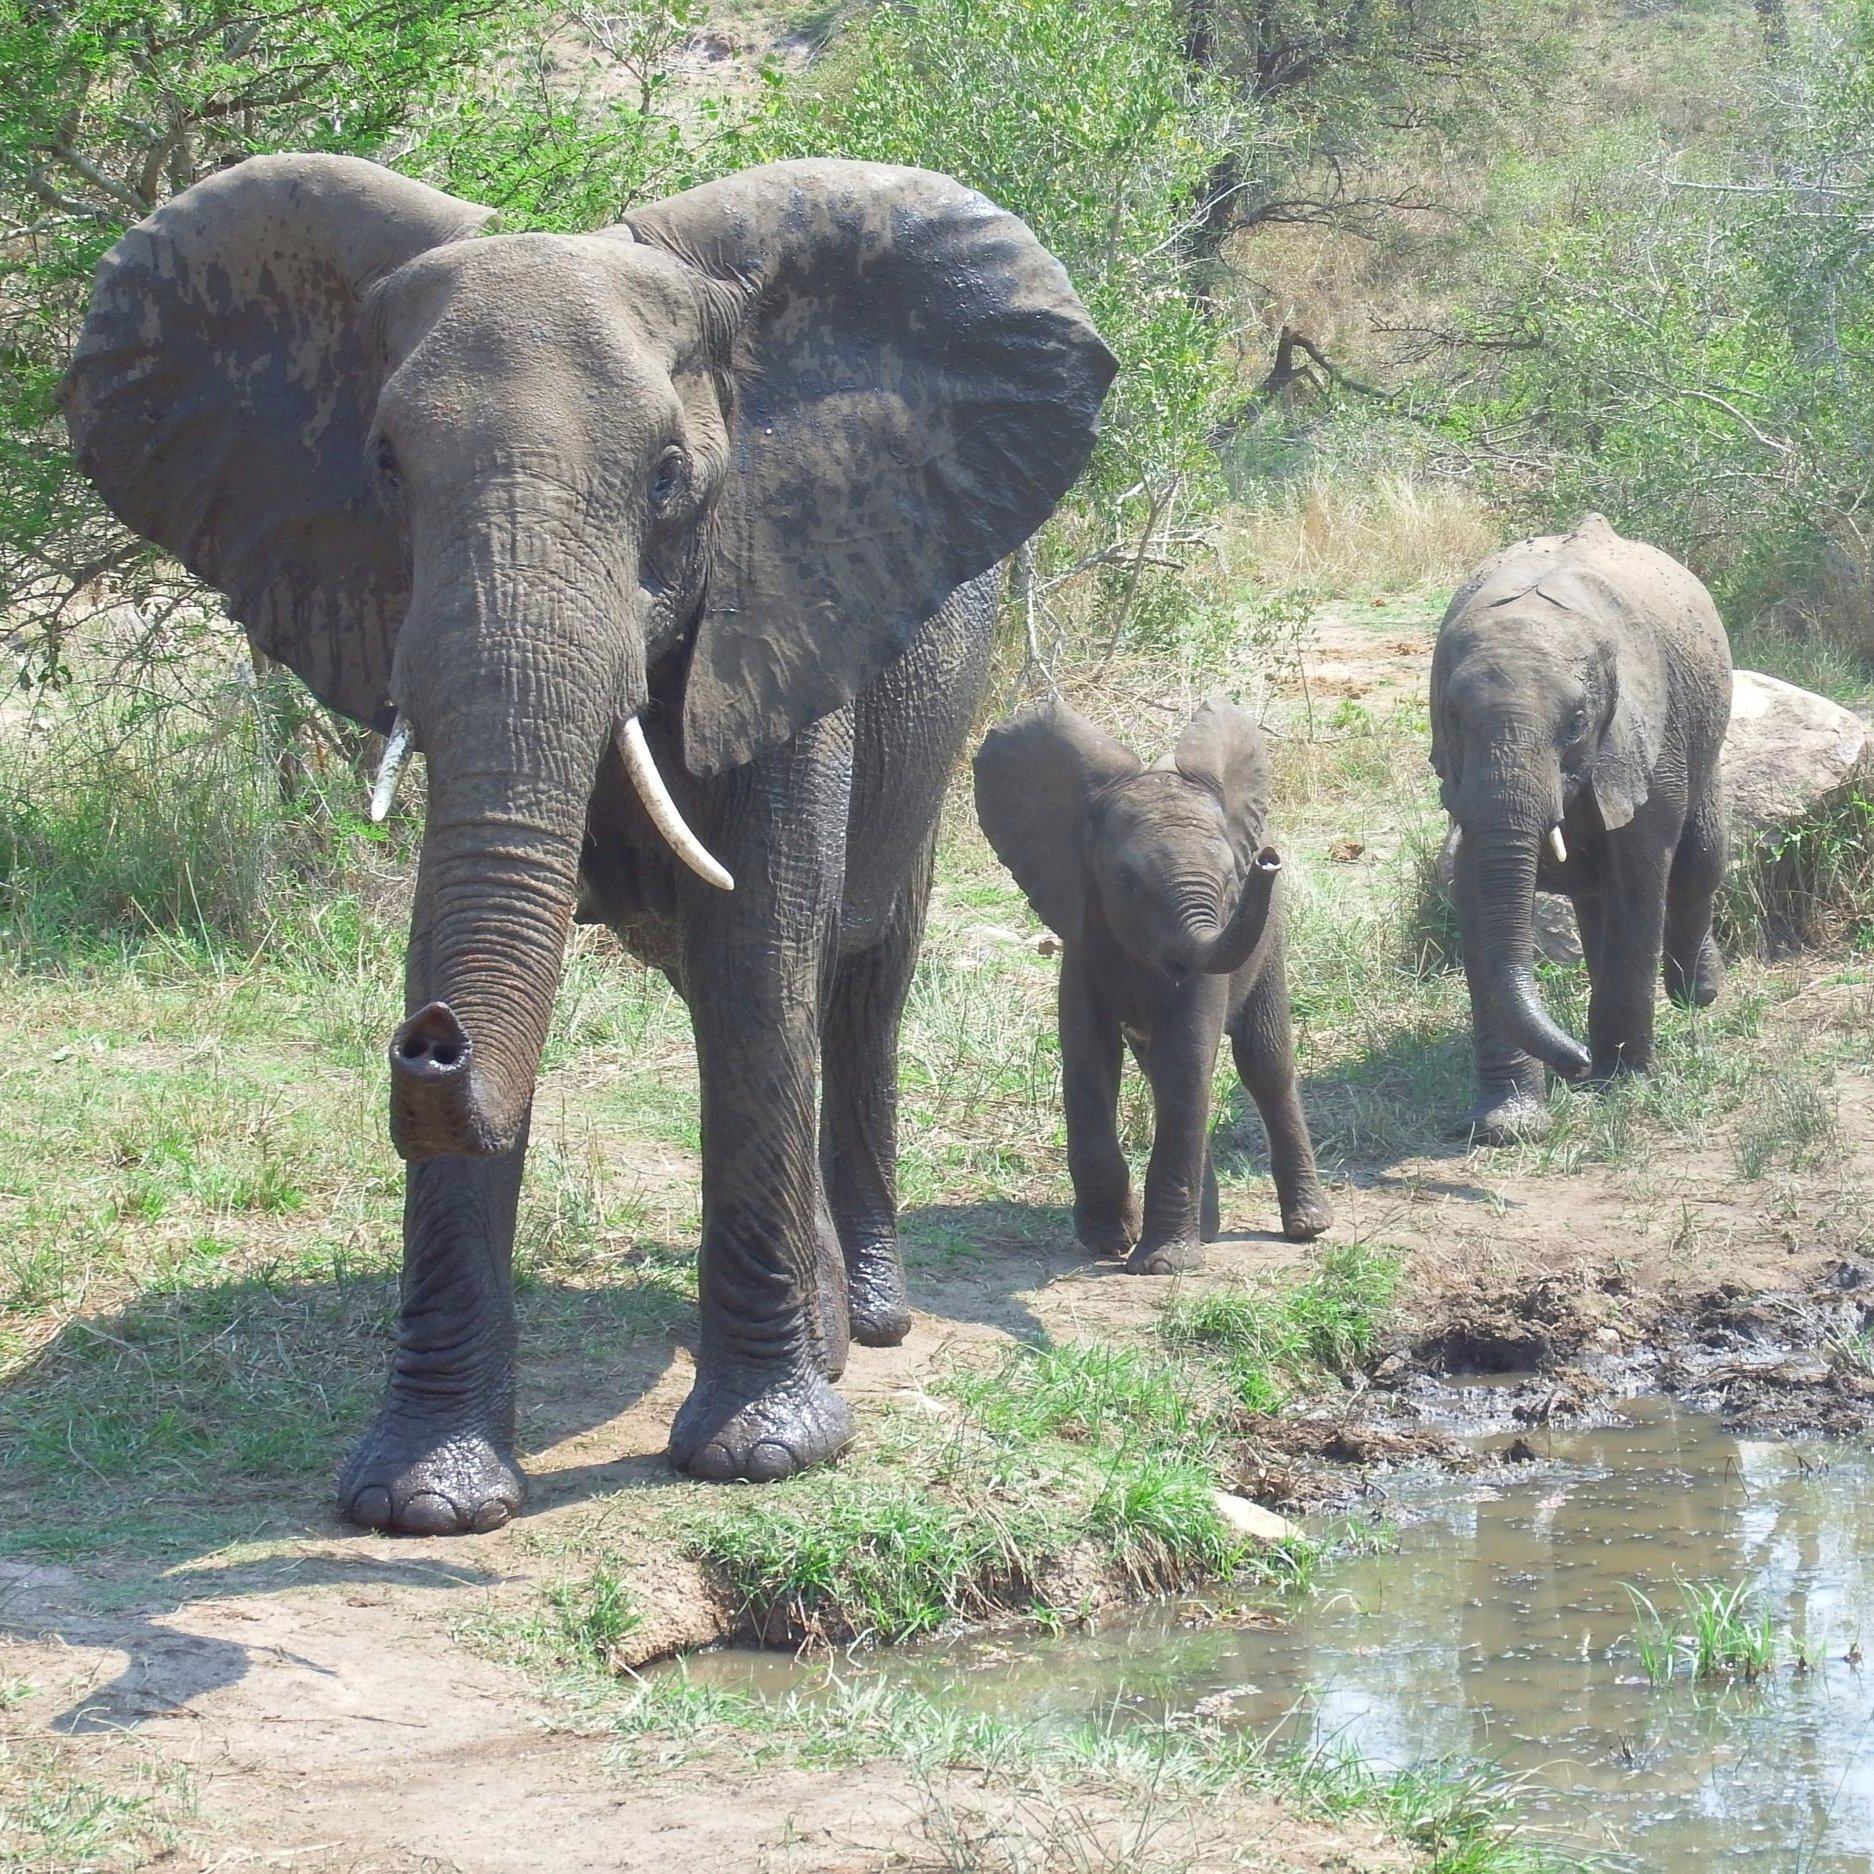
676, 538
1580, 692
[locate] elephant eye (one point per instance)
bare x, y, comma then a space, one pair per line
669, 478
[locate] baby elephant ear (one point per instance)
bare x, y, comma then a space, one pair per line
223, 388
1622, 770
1035, 779
915, 385
1222, 749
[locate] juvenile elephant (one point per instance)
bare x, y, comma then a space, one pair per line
1166, 902
689, 524
1580, 691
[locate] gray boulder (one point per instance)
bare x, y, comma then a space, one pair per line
1788, 754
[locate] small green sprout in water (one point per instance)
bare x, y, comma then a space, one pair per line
1718, 1634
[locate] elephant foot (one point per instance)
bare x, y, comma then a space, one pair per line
1307, 1217
1174, 1258
1518, 1120
1700, 990
408, 1479
875, 1285
1606, 1073
735, 1425
1109, 1235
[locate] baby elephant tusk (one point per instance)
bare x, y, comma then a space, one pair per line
635, 752
1452, 841
1555, 845
396, 753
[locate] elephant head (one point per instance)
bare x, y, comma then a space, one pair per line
1547, 706
474, 487
1170, 857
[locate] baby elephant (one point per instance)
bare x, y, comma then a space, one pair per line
1165, 899
1580, 692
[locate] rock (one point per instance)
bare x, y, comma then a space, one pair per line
1556, 935
1788, 753
1252, 1520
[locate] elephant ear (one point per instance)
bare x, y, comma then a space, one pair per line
915, 386
1222, 749
1035, 779
223, 388
1622, 770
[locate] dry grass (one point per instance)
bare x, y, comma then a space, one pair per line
1397, 533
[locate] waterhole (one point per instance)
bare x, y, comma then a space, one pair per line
1503, 1626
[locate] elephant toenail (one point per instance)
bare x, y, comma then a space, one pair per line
427, 1514
491, 1515
769, 1460
713, 1464
370, 1508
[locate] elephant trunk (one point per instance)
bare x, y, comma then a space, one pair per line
493, 905
1501, 886
1224, 953
513, 694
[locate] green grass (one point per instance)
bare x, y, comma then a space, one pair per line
594, 1617
1060, 1454
1270, 1337
1811, 886
59, 1816
1178, 1771
1719, 1632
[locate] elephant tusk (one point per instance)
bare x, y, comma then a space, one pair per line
635, 752
1452, 840
1555, 845
396, 753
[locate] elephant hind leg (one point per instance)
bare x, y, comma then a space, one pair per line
859, 1113
1694, 969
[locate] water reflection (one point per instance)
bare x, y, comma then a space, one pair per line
1501, 1628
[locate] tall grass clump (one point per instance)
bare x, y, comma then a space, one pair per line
179, 810
1718, 1633
857, 1558
1806, 886
1269, 1338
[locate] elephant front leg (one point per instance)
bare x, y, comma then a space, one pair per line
859, 1118
1623, 981
1179, 1061
1106, 1217
1262, 1043
440, 1458
757, 962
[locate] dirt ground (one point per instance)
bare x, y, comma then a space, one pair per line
316, 1701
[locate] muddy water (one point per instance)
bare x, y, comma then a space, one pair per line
1501, 1628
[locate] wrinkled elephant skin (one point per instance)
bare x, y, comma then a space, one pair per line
1168, 908
673, 550
1580, 689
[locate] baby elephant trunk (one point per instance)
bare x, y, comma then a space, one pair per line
1235, 943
